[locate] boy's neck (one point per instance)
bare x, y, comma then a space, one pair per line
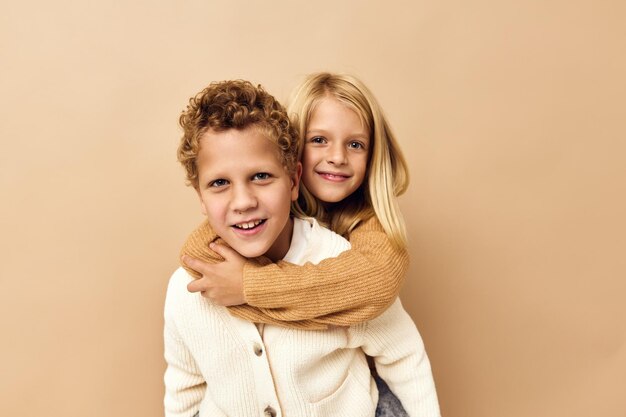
281, 246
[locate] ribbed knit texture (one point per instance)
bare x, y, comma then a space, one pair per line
354, 287
215, 364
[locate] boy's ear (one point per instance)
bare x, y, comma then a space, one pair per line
202, 206
295, 182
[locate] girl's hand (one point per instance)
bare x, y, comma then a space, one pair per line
222, 282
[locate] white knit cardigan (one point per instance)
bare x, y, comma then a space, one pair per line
222, 366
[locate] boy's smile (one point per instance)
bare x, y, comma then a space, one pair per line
245, 191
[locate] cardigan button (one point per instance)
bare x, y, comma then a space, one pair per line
269, 412
258, 350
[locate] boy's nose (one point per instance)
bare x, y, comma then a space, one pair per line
243, 199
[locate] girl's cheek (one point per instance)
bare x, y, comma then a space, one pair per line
307, 161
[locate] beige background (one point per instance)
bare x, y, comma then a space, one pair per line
511, 113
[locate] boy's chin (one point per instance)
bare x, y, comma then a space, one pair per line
249, 252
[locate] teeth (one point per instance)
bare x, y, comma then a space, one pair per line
248, 225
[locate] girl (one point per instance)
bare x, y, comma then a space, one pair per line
353, 170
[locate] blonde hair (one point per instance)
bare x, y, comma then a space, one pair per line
387, 174
235, 104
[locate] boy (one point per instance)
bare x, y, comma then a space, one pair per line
240, 153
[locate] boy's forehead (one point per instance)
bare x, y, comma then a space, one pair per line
249, 145
251, 132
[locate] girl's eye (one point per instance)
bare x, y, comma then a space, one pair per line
261, 176
218, 183
317, 139
356, 145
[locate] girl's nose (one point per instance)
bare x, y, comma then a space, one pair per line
337, 155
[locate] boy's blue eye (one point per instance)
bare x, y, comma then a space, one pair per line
218, 183
261, 176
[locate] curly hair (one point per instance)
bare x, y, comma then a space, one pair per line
238, 105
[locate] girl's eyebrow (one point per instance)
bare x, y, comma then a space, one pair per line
316, 131
362, 134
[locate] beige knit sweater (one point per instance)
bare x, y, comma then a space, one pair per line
352, 288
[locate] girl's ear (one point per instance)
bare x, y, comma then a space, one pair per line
295, 182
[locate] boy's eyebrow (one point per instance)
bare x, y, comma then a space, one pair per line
260, 167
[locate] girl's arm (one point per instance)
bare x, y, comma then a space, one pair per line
354, 287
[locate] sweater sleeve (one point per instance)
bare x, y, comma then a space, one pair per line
396, 346
351, 288
197, 246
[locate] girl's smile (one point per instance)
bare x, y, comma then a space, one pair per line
336, 151
335, 177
